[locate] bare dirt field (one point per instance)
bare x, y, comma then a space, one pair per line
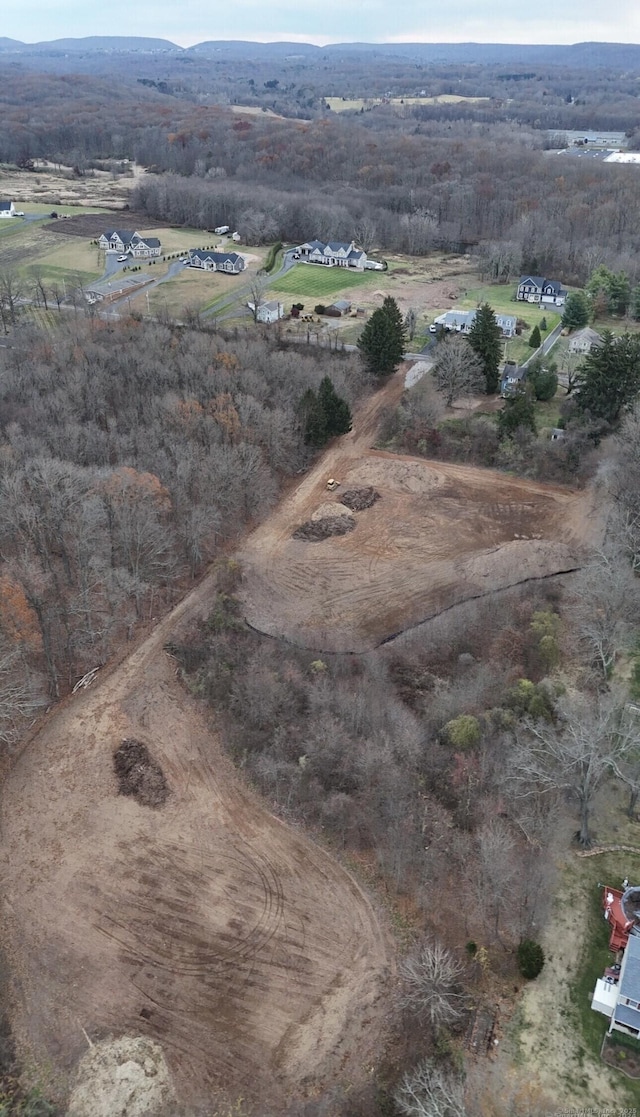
199, 921
440, 534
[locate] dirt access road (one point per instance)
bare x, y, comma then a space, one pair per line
242, 948
440, 534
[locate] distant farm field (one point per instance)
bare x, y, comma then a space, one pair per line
315, 281
346, 104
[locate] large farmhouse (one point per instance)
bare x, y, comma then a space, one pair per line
332, 254
130, 243
536, 289
230, 262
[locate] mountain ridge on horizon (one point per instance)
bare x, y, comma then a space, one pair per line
589, 54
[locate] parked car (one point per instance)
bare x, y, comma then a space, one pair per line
122, 259
184, 260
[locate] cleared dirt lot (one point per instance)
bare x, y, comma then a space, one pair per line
205, 924
440, 534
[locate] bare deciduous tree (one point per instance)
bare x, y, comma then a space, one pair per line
605, 596
457, 371
574, 755
432, 985
428, 1091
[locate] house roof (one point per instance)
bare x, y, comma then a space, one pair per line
337, 246
629, 985
5, 205
151, 242
217, 257
514, 373
506, 319
587, 333
342, 304
272, 305
124, 234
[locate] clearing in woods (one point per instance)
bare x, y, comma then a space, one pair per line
439, 534
155, 896
181, 911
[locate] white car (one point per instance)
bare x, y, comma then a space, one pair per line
185, 261
122, 259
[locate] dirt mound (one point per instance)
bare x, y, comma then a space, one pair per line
359, 499
314, 531
123, 1076
139, 775
327, 510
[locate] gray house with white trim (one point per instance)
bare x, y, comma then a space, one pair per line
229, 262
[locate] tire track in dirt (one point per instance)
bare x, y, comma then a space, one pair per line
207, 925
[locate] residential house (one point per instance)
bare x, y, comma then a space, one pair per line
229, 262
130, 244
537, 289
7, 209
584, 340
513, 377
268, 312
617, 993
461, 321
332, 254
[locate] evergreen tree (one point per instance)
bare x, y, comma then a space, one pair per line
313, 419
485, 338
610, 287
543, 381
535, 341
609, 377
577, 311
518, 411
543, 325
382, 340
635, 303
337, 415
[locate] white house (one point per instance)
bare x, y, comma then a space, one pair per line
229, 262
130, 243
584, 340
267, 312
537, 289
620, 1000
7, 209
332, 254
461, 321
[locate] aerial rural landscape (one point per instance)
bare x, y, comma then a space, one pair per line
319, 599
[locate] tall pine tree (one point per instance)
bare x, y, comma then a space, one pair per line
382, 340
609, 377
485, 337
337, 414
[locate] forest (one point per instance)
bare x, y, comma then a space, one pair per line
468, 759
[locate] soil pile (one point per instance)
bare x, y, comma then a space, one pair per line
139, 775
314, 531
359, 499
126, 1077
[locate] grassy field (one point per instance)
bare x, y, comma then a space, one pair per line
192, 289
315, 282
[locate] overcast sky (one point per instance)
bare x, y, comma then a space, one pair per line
327, 21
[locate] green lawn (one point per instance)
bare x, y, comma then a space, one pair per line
57, 274
500, 296
313, 281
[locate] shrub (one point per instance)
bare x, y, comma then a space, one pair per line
530, 959
319, 309
463, 732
